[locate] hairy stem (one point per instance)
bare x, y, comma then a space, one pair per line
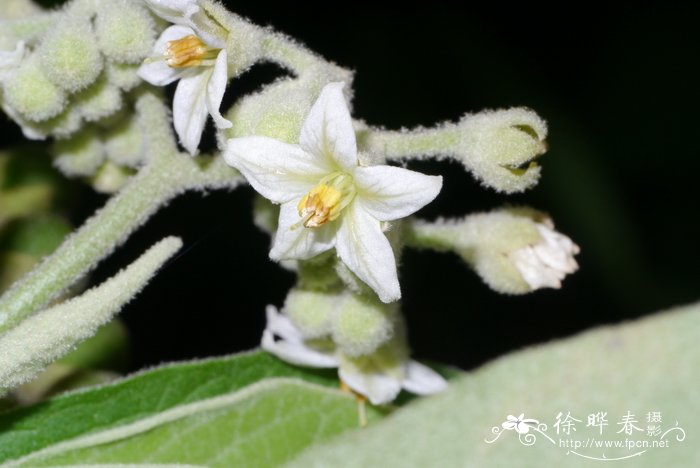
411, 144
162, 179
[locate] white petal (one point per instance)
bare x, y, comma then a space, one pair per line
389, 193
557, 250
278, 171
365, 250
155, 69
298, 354
556, 259
291, 347
380, 388
534, 272
422, 380
173, 11
216, 88
546, 263
327, 131
293, 241
282, 326
206, 29
190, 108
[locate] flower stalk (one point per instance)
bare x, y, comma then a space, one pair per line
166, 175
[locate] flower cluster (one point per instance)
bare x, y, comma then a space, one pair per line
60, 71
328, 200
380, 375
339, 213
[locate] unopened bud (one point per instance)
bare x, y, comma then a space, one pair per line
500, 148
70, 55
363, 324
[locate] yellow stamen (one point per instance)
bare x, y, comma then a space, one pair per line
320, 205
326, 201
189, 51
361, 403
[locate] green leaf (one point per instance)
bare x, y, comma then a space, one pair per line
644, 366
245, 409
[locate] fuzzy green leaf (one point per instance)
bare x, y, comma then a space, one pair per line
242, 410
645, 366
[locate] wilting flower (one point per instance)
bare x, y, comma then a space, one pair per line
192, 51
521, 425
380, 376
328, 199
546, 263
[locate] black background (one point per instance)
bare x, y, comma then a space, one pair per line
618, 87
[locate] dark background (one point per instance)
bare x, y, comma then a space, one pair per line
618, 88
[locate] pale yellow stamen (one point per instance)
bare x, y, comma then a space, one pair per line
320, 205
189, 51
326, 201
361, 403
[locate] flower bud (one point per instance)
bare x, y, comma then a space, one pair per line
70, 55
500, 147
123, 76
363, 324
276, 113
110, 178
29, 92
124, 143
515, 251
61, 126
80, 155
125, 31
312, 311
100, 100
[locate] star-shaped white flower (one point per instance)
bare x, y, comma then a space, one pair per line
380, 380
545, 264
193, 52
328, 199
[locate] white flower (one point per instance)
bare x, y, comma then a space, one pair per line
192, 51
378, 377
521, 425
545, 264
328, 199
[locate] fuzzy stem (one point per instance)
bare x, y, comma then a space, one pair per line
411, 144
287, 53
161, 180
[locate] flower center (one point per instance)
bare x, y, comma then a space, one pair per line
326, 201
188, 51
